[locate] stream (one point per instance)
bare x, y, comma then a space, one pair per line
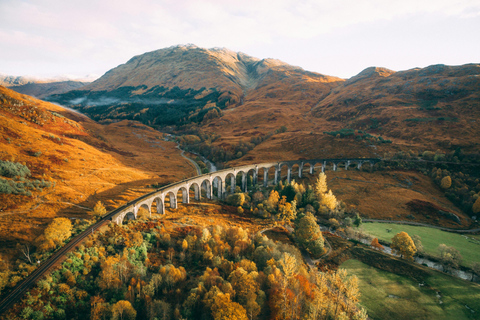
210, 165
429, 263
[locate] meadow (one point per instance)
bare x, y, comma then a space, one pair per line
390, 296
468, 246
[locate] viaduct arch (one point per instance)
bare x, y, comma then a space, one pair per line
227, 177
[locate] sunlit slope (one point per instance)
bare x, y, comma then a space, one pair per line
83, 161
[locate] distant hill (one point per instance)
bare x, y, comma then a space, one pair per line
234, 103
7, 81
39, 88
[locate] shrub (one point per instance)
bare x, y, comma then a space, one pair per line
236, 199
13, 169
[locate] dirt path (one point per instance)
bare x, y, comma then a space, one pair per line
197, 168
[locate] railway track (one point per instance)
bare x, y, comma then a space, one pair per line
16, 294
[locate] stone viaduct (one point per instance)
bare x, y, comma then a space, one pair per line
267, 172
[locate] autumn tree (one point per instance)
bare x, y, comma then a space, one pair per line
99, 308
324, 196
272, 200
236, 199
287, 211
449, 256
59, 230
417, 240
446, 182
308, 234
321, 186
402, 244
99, 210
123, 310
376, 245
223, 308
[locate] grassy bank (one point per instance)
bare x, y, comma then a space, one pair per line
431, 238
390, 296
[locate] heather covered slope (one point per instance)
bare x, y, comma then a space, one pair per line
73, 162
430, 108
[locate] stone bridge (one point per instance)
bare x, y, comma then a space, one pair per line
215, 184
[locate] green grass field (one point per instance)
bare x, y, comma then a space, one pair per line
386, 295
431, 238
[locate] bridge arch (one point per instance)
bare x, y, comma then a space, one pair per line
128, 216
182, 193
218, 186
160, 204
230, 182
241, 180
196, 190
206, 187
172, 199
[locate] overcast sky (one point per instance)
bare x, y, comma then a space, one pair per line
78, 38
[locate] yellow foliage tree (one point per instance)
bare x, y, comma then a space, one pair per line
402, 244
273, 199
123, 310
321, 186
446, 182
224, 309
59, 230
99, 210
324, 196
329, 200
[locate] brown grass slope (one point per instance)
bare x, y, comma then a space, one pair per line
434, 107
86, 162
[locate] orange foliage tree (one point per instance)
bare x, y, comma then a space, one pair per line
376, 245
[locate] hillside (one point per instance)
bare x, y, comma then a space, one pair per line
73, 163
235, 109
227, 98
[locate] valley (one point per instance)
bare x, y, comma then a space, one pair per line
123, 159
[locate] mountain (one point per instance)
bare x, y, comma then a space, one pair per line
181, 84
6, 80
234, 103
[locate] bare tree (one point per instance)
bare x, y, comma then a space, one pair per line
25, 249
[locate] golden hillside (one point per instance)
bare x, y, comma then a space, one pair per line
84, 161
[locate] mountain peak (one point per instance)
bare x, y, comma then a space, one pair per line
371, 72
